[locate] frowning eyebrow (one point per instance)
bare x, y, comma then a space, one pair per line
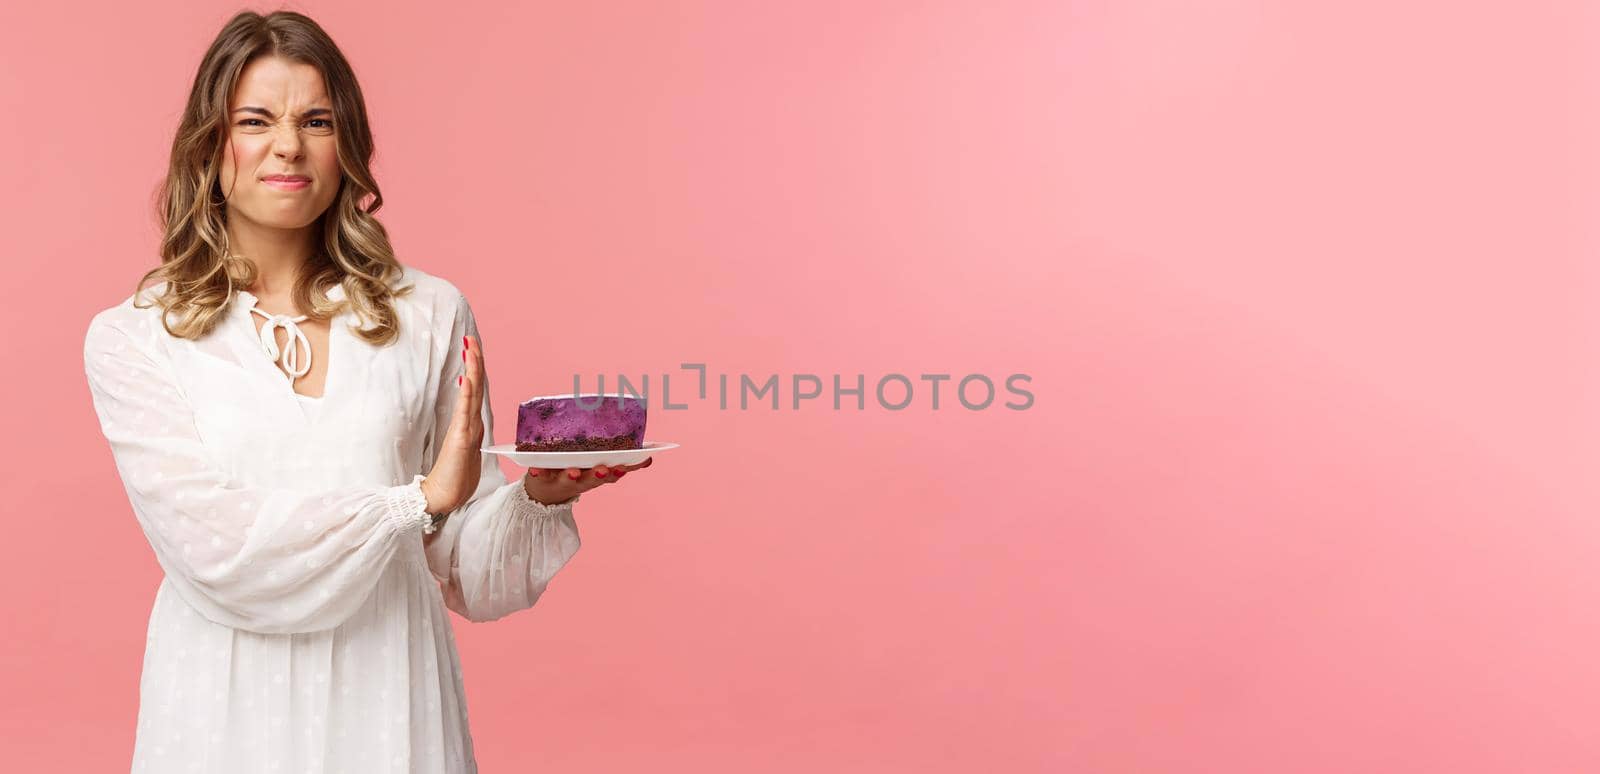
265, 112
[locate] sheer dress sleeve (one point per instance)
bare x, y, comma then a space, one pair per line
495, 554
257, 558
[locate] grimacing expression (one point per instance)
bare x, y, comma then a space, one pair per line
280, 123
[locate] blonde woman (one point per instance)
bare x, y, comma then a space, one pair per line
297, 419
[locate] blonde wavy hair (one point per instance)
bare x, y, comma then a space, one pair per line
200, 270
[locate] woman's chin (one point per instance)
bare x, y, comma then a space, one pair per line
288, 219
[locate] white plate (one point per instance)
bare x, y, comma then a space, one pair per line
578, 459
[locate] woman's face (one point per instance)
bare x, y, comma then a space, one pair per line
280, 123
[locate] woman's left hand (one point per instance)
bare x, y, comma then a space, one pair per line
555, 485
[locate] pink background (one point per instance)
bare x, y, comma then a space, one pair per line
1306, 291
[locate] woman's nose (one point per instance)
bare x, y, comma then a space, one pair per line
286, 141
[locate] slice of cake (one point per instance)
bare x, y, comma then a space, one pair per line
559, 423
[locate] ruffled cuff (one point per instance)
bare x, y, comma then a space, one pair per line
526, 507
407, 506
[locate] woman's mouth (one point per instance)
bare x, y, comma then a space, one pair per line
287, 182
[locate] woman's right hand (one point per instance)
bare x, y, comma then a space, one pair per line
456, 471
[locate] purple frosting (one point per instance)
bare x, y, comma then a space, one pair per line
559, 418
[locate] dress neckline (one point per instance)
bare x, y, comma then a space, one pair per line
289, 354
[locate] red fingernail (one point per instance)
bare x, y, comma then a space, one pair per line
458, 380
599, 474
465, 344
574, 476
621, 473
463, 356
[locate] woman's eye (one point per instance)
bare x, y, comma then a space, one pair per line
326, 124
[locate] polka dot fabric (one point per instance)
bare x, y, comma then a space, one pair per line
301, 624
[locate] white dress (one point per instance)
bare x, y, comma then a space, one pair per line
301, 625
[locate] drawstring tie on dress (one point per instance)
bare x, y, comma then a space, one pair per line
269, 341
